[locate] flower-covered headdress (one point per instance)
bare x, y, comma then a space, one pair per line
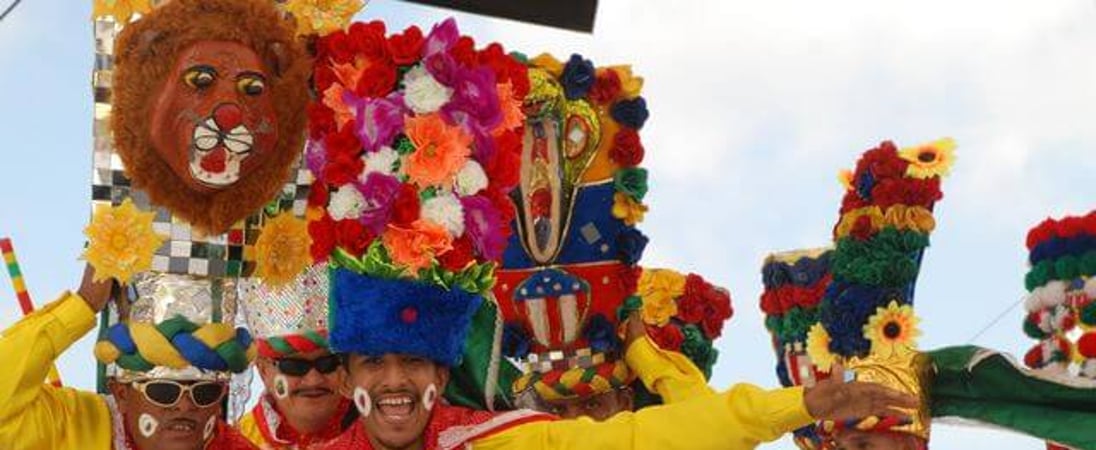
570, 271
795, 282
414, 142
867, 312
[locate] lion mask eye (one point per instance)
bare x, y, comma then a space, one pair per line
200, 77
251, 84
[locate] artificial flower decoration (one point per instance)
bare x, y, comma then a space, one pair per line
121, 241
121, 10
930, 160
282, 250
892, 327
628, 209
818, 348
411, 145
322, 16
659, 289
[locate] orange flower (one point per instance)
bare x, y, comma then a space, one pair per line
440, 151
415, 248
333, 98
512, 116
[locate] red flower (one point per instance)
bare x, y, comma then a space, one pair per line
352, 236
852, 201
317, 195
495, 58
406, 48
1070, 227
862, 229
1045, 230
342, 144
458, 258
336, 47
627, 149
541, 203
377, 81
464, 51
322, 232
519, 79
405, 209
907, 191
883, 162
505, 207
668, 337
321, 120
627, 278
606, 87
504, 169
323, 76
367, 39
705, 304
342, 170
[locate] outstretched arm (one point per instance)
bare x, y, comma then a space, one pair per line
669, 374
34, 414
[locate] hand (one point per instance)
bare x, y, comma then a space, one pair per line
834, 399
96, 294
634, 329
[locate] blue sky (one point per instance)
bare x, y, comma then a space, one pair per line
755, 107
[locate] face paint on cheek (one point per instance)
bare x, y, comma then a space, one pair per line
281, 387
147, 425
209, 427
362, 401
429, 397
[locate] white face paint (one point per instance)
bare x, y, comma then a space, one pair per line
429, 397
362, 401
147, 425
207, 433
281, 386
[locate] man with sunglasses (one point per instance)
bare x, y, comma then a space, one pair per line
169, 372
301, 405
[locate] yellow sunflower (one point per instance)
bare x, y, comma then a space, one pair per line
930, 160
121, 241
627, 209
281, 251
659, 289
121, 10
818, 348
322, 17
892, 327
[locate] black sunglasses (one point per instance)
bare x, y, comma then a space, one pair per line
296, 367
168, 393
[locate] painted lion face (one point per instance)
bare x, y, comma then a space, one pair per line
209, 107
214, 121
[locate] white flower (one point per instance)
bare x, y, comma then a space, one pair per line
1046, 296
382, 161
346, 203
445, 210
1090, 287
422, 93
471, 179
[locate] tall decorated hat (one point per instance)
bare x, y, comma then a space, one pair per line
794, 284
291, 318
570, 273
414, 143
198, 120
1061, 304
867, 316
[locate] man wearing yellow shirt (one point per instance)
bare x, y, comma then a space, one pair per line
159, 407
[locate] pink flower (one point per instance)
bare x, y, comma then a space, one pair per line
379, 191
376, 120
483, 224
441, 38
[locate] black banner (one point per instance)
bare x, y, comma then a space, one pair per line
577, 15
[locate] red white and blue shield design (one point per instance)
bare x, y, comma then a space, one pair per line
554, 304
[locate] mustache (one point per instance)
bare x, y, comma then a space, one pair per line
308, 391
182, 421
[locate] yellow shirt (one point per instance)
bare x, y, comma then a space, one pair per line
671, 375
741, 418
39, 416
